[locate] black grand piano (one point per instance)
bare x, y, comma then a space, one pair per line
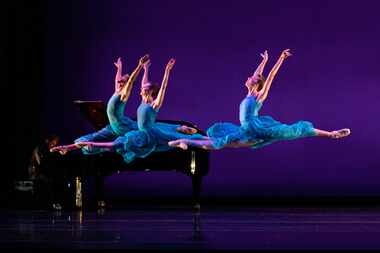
193, 162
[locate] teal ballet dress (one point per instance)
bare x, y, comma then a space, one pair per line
262, 130
150, 136
119, 124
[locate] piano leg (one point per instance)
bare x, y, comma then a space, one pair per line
197, 183
78, 193
99, 190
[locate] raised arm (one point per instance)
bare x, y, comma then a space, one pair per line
119, 68
260, 68
126, 91
157, 103
145, 78
268, 82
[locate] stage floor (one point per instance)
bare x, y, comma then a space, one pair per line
214, 228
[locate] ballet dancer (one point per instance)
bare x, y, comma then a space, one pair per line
119, 124
149, 137
255, 130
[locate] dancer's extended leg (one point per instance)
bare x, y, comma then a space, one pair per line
110, 146
184, 143
333, 134
65, 148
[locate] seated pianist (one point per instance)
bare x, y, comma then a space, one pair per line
47, 182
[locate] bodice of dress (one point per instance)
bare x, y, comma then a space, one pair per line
249, 108
115, 108
146, 116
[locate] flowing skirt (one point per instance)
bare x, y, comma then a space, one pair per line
119, 128
104, 135
141, 143
263, 130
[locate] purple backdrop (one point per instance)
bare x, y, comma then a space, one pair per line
332, 80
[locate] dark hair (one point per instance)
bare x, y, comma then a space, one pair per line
51, 137
154, 89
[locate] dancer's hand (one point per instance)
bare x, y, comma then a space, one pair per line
170, 64
147, 64
285, 54
144, 59
265, 55
118, 64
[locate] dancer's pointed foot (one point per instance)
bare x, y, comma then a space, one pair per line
340, 133
178, 144
61, 149
186, 130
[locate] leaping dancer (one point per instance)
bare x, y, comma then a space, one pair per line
255, 130
119, 124
150, 136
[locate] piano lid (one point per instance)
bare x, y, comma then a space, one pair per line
96, 113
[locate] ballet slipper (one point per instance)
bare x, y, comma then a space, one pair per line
340, 133
178, 144
183, 145
187, 130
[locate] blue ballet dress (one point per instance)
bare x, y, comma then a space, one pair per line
263, 130
118, 125
150, 136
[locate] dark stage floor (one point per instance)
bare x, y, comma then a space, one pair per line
214, 228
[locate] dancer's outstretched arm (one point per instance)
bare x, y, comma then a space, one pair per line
157, 103
145, 78
264, 93
260, 68
119, 75
126, 91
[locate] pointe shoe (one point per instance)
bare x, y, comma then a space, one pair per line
341, 133
58, 149
183, 145
63, 151
173, 143
54, 149
178, 144
187, 130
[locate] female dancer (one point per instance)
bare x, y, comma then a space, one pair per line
150, 137
255, 130
119, 123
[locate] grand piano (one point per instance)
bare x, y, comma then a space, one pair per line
193, 162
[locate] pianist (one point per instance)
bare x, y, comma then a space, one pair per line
41, 172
